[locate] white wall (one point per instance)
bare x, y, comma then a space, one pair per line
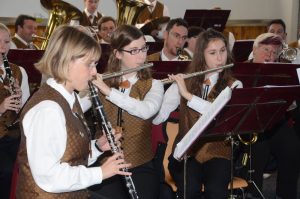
240, 9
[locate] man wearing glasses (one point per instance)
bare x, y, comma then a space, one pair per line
175, 36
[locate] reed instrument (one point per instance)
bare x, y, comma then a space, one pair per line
10, 118
186, 76
9, 75
127, 71
107, 128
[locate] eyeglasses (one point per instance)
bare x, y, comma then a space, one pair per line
137, 50
178, 36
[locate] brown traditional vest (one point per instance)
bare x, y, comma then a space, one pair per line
21, 45
156, 13
9, 117
154, 57
76, 153
203, 149
136, 131
85, 21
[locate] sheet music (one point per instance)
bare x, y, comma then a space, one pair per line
202, 123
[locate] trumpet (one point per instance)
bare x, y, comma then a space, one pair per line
123, 72
186, 76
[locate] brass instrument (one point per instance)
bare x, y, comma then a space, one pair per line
123, 72
129, 10
289, 54
38, 37
186, 76
181, 55
60, 13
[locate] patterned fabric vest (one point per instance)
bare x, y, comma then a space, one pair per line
156, 13
136, 131
76, 153
85, 21
203, 149
154, 57
9, 117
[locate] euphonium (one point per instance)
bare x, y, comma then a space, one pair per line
60, 13
129, 10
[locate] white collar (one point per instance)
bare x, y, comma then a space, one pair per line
165, 58
213, 78
70, 97
88, 14
22, 40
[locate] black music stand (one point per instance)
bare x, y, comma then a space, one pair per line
161, 69
261, 74
250, 110
27, 59
207, 18
242, 49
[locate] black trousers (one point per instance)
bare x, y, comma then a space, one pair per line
283, 143
8, 152
146, 180
213, 174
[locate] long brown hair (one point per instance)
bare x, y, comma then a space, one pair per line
199, 64
120, 38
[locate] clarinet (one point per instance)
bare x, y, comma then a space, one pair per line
11, 79
100, 115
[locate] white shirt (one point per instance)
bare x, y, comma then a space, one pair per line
46, 136
24, 84
172, 100
165, 58
144, 109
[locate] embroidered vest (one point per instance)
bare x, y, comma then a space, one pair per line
76, 153
203, 149
136, 131
85, 21
156, 13
9, 117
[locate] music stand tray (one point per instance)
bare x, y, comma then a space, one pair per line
216, 19
249, 110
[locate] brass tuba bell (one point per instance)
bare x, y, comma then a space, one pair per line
60, 13
129, 10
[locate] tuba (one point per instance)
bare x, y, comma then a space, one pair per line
60, 13
129, 10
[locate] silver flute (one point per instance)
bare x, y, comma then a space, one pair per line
107, 128
186, 76
123, 72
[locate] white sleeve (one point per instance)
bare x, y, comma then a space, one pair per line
143, 109
170, 102
24, 86
45, 131
198, 104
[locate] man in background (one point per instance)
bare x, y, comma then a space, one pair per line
106, 26
25, 28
